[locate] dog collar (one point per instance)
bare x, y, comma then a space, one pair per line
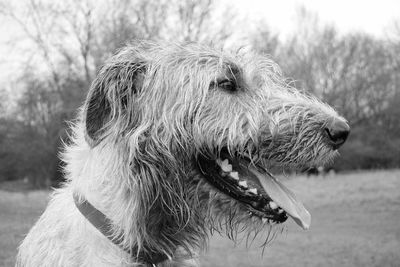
103, 224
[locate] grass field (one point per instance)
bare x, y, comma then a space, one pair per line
356, 222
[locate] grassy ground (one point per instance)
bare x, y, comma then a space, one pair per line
18, 212
356, 222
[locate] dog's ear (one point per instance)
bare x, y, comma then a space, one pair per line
111, 98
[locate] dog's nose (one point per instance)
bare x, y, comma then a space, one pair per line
337, 133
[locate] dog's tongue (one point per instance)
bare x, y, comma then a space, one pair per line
285, 198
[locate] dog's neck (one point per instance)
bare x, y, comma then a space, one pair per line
104, 225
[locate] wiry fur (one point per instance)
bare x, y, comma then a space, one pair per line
152, 110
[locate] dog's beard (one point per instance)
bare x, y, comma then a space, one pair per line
224, 215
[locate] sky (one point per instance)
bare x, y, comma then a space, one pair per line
371, 16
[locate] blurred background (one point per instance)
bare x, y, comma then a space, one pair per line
347, 53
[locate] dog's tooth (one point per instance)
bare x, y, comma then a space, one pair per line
225, 166
280, 211
264, 220
273, 205
243, 184
252, 191
234, 175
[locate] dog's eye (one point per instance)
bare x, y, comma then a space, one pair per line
227, 85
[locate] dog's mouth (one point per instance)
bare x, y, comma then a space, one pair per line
262, 194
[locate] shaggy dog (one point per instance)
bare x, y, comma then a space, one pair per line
173, 143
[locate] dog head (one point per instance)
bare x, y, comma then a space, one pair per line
201, 128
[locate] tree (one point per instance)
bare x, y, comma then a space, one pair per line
68, 42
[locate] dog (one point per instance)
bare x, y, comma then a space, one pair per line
173, 143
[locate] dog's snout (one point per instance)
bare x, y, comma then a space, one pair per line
337, 133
